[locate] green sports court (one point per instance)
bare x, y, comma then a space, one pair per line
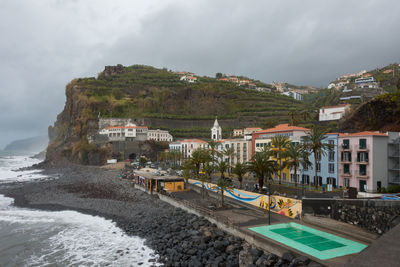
308, 240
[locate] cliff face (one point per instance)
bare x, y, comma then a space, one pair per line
379, 114
68, 136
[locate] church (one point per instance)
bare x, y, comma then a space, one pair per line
216, 131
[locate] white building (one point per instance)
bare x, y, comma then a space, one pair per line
216, 131
123, 133
330, 113
175, 146
295, 95
132, 132
189, 79
159, 135
366, 82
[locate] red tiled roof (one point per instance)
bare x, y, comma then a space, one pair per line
125, 127
193, 141
254, 128
283, 128
365, 133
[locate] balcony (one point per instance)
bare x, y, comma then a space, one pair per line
345, 147
361, 174
395, 168
394, 180
364, 161
344, 174
359, 148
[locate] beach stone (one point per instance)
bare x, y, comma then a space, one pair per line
194, 262
287, 256
260, 261
301, 260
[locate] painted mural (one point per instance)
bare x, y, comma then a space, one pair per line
283, 205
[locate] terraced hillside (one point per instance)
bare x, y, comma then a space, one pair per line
146, 92
160, 99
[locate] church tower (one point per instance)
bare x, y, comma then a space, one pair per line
216, 131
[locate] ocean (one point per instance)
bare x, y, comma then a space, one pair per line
31, 237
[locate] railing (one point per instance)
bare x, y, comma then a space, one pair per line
366, 148
362, 174
205, 211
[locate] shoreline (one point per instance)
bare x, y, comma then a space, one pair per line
179, 238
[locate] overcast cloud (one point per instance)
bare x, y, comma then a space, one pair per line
46, 43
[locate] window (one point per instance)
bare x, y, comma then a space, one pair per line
346, 156
331, 168
318, 156
346, 168
318, 166
363, 143
346, 182
362, 156
346, 144
363, 170
331, 155
284, 176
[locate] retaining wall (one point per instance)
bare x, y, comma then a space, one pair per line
374, 215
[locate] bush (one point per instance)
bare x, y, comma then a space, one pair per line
383, 190
393, 189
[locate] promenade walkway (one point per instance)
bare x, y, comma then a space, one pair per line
245, 217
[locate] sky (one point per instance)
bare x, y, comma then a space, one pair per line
46, 43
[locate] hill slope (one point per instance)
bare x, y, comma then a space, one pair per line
158, 96
28, 145
381, 113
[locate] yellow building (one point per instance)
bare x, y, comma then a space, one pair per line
263, 138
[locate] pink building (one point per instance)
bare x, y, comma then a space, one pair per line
190, 145
363, 160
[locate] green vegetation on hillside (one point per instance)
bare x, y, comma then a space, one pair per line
143, 91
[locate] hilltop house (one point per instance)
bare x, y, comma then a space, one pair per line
294, 95
366, 82
189, 79
330, 113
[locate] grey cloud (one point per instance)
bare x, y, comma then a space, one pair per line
47, 43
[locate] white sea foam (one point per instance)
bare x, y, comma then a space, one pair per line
72, 238
63, 238
9, 169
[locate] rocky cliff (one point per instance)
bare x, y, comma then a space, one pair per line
381, 113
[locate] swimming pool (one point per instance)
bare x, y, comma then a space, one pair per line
316, 243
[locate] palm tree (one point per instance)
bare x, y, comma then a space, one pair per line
313, 142
305, 114
213, 147
296, 155
208, 169
293, 116
223, 183
187, 169
240, 170
262, 166
280, 144
199, 156
230, 153
203, 179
